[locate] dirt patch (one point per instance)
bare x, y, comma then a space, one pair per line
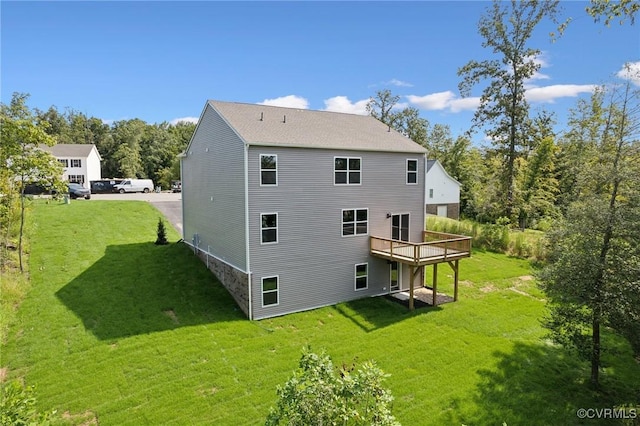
3, 374
525, 278
171, 314
488, 288
87, 418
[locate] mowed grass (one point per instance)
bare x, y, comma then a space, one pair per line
117, 330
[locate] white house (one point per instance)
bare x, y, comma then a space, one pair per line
442, 191
296, 209
81, 162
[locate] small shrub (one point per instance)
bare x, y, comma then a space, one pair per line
318, 394
18, 406
162, 233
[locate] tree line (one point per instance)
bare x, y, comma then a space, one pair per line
129, 148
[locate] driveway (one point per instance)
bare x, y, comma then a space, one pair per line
169, 204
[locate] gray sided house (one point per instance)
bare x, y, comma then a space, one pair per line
282, 205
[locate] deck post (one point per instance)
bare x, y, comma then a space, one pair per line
411, 288
435, 284
454, 266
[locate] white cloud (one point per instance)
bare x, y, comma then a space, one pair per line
444, 101
434, 101
193, 120
291, 101
551, 93
393, 82
343, 104
464, 104
630, 71
399, 83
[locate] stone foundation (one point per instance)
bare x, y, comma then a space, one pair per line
453, 210
236, 282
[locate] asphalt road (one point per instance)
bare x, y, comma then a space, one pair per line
169, 203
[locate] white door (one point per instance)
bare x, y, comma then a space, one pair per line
442, 211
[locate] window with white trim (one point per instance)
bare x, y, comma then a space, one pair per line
269, 228
347, 170
430, 192
64, 162
76, 179
76, 162
355, 222
268, 170
270, 291
361, 276
412, 172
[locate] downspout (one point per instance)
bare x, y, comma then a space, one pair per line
246, 227
182, 156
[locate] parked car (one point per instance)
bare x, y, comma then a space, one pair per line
176, 186
78, 191
104, 186
134, 185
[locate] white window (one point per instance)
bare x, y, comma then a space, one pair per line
347, 170
270, 291
355, 222
269, 228
76, 179
361, 276
268, 170
76, 163
430, 192
412, 172
64, 162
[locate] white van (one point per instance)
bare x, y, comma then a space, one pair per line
134, 185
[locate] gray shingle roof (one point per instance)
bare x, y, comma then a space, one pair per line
278, 126
69, 149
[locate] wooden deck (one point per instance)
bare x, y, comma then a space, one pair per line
437, 247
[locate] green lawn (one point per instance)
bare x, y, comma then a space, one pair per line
118, 329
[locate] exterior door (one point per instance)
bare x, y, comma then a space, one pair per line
400, 227
399, 231
442, 211
395, 276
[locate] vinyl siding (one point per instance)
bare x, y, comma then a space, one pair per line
314, 262
213, 190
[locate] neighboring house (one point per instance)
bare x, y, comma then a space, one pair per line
442, 192
284, 205
81, 162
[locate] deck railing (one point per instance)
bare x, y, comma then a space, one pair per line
438, 247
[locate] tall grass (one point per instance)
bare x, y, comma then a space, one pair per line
528, 244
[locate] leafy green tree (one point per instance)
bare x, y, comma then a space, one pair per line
613, 10
406, 121
23, 161
503, 109
318, 394
127, 136
592, 280
540, 186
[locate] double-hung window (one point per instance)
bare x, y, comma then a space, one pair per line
347, 170
269, 228
412, 172
270, 291
361, 276
355, 222
268, 170
76, 163
64, 162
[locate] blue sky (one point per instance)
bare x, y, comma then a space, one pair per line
160, 61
